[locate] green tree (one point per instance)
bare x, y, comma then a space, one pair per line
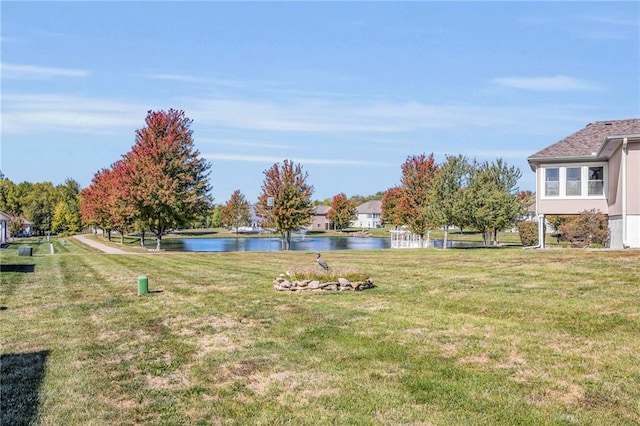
491, 198
66, 217
9, 200
39, 206
286, 186
236, 212
417, 175
216, 216
165, 178
342, 211
446, 195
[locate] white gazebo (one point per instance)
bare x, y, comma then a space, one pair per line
403, 238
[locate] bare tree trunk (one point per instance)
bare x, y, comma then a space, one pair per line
446, 237
286, 240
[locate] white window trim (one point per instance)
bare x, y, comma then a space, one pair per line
584, 181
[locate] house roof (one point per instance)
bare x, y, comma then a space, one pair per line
588, 142
370, 207
321, 210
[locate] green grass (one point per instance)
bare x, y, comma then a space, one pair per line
475, 336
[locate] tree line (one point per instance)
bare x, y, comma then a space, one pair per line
458, 193
50, 209
162, 184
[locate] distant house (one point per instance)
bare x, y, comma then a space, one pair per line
319, 221
598, 168
369, 215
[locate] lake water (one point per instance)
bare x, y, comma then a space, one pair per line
314, 244
274, 244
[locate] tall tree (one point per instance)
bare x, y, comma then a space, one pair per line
216, 216
236, 212
167, 180
342, 211
39, 206
492, 198
446, 195
9, 197
417, 175
94, 206
67, 217
286, 186
391, 213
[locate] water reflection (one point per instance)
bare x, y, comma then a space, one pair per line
274, 244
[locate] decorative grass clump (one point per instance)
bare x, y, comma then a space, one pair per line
301, 274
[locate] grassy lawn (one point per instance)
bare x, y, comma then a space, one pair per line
476, 336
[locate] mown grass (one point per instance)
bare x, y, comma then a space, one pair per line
474, 336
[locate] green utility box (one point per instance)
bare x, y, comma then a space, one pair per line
143, 285
25, 251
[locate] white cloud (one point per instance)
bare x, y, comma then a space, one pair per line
272, 159
34, 72
46, 113
557, 83
337, 117
243, 143
178, 77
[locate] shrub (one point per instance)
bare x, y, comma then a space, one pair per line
528, 232
588, 229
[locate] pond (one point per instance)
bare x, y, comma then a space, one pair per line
315, 244
273, 244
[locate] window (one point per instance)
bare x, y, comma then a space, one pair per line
574, 181
596, 180
552, 182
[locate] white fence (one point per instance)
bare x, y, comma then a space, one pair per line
407, 239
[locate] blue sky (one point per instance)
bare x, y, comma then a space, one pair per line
347, 89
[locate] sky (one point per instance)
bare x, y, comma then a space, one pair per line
349, 90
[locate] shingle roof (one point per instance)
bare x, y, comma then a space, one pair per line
370, 207
320, 210
586, 142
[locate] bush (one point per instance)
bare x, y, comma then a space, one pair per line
588, 229
528, 232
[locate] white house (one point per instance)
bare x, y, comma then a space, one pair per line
369, 214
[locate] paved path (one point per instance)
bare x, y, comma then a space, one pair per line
102, 247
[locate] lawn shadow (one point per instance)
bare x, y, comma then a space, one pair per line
21, 376
14, 267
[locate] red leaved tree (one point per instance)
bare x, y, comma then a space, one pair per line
104, 203
286, 186
342, 211
391, 213
236, 212
166, 179
93, 206
417, 174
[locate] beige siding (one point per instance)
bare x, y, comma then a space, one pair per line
633, 182
560, 206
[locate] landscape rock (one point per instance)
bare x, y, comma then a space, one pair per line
343, 284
